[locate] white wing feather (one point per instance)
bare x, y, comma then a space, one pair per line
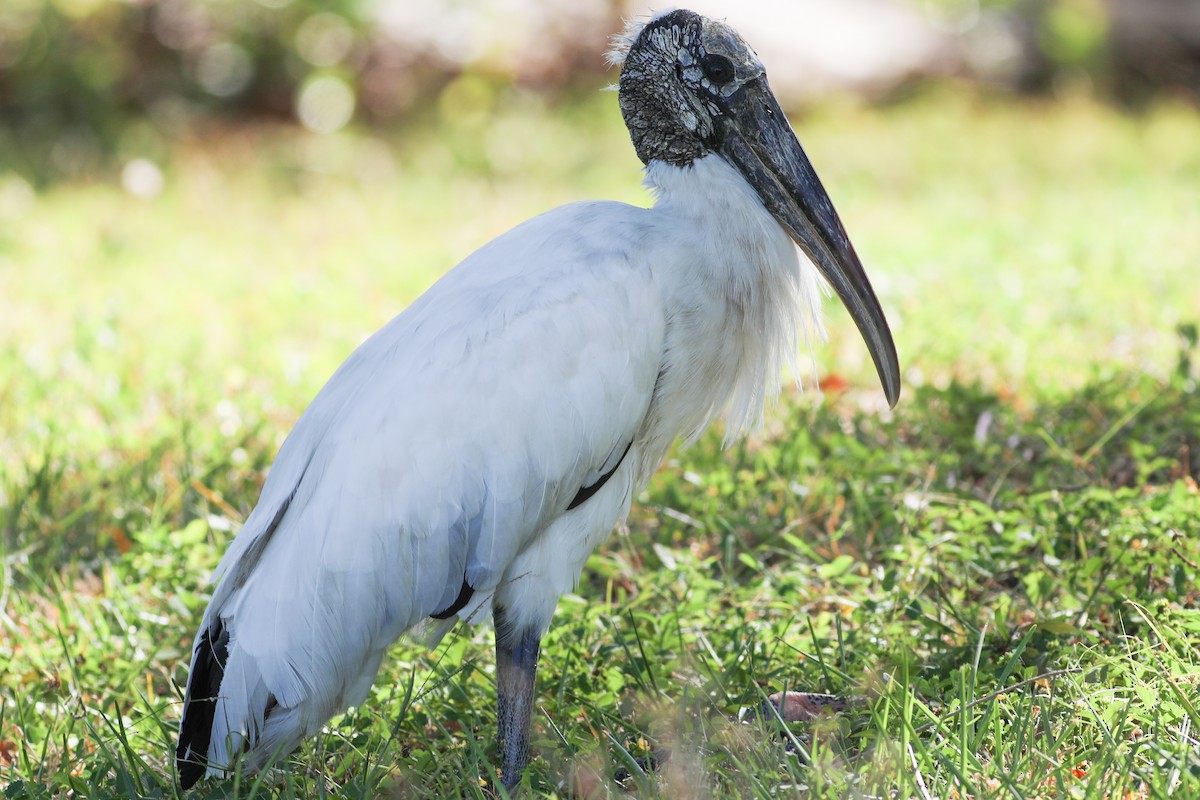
444, 445
452, 441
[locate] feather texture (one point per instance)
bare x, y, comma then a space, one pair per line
568, 353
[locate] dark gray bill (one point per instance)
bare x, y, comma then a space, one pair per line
758, 140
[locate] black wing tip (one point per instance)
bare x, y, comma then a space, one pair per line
200, 704
585, 493
190, 772
460, 602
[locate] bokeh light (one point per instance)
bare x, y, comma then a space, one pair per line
324, 39
224, 69
142, 178
325, 104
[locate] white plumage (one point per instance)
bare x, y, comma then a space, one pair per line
456, 444
480, 410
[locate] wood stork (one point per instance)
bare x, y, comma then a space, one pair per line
467, 458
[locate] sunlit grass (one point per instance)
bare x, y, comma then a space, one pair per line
1004, 568
1057, 237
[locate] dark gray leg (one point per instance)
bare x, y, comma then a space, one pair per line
516, 672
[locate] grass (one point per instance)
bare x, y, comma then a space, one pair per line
1003, 570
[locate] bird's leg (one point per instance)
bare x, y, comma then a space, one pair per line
516, 671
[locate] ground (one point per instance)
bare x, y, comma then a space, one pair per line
1001, 573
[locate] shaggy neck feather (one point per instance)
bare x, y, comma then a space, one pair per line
743, 258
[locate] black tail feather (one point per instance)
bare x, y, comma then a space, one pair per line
200, 704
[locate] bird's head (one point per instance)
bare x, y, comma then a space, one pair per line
690, 86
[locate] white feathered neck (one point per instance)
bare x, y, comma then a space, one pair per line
772, 290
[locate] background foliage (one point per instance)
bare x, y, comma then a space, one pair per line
84, 82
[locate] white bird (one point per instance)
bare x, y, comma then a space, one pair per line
467, 458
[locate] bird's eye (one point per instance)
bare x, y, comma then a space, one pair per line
717, 69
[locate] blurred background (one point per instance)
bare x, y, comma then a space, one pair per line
205, 205
87, 86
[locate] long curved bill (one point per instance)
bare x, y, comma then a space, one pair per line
759, 141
